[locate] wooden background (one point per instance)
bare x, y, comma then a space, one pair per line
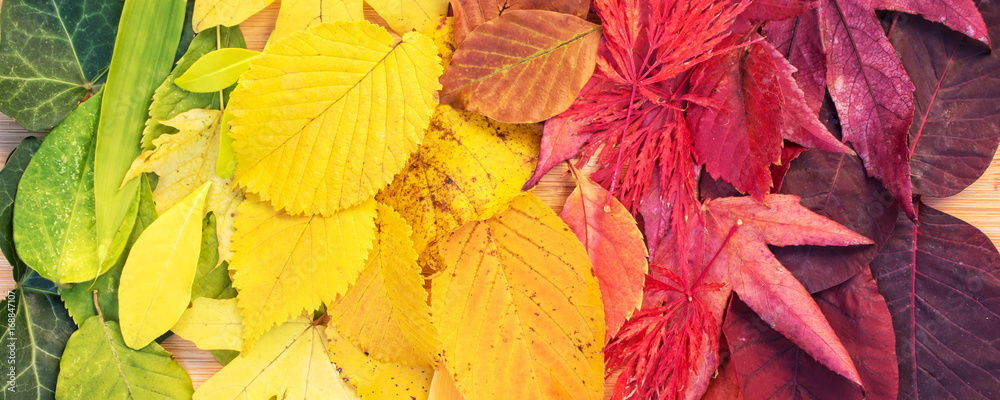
978, 205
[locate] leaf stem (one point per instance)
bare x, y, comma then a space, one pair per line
739, 222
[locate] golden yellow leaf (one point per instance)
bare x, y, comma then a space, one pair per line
409, 15
297, 15
327, 116
385, 312
442, 32
209, 13
290, 362
443, 387
186, 160
518, 308
155, 285
212, 324
284, 265
377, 380
468, 168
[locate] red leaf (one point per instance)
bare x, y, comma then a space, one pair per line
615, 247
471, 13
724, 386
956, 126
774, 10
960, 15
874, 96
770, 366
941, 280
798, 40
789, 153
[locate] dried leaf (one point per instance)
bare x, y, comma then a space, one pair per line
469, 14
374, 379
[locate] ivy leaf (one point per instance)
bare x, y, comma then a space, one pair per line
155, 285
209, 13
385, 311
469, 14
53, 53
939, 277
169, 100
212, 324
290, 361
186, 160
532, 298
10, 176
409, 15
298, 15
326, 117
375, 379
285, 265
97, 362
468, 169
543, 55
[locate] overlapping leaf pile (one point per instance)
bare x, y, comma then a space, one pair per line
342, 215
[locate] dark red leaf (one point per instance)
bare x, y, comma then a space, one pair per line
724, 385
941, 280
789, 153
960, 15
874, 96
956, 126
769, 366
798, 40
834, 185
774, 10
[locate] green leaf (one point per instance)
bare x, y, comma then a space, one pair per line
225, 357
41, 328
54, 231
53, 53
98, 365
148, 35
9, 177
216, 70
211, 279
79, 297
170, 100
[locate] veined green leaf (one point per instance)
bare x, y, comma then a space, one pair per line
170, 100
144, 51
9, 177
98, 365
225, 164
53, 52
211, 279
216, 70
156, 282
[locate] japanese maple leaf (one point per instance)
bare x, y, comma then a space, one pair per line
669, 350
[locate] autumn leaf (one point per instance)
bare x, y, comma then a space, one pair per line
542, 55
385, 311
315, 133
443, 387
186, 160
284, 265
212, 324
297, 15
939, 277
375, 379
531, 297
614, 244
209, 13
155, 285
409, 15
291, 361
468, 168
469, 14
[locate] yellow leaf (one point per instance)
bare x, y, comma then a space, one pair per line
442, 32
212, 324
284, 265
297, 15
468, 169
327, 116
155, 285
385, 312
518, 308
209, 13
377, 380
409, 15
290, 362
185, 160
443, 387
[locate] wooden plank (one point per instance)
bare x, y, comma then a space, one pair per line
979, 204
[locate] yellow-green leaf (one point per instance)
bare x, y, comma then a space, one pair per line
468, 168
209, 13
290, 362
225, 165
376, 380
327, 116
409, 15
212, 324
297, 15
284, 265
518, 308
385, 312
216, 70
155, 285
184, 161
